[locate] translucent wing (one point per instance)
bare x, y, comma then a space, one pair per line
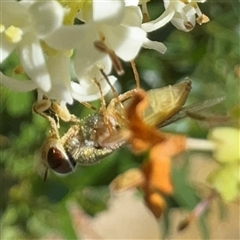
191, 110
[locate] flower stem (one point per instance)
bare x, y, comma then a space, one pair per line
200, 144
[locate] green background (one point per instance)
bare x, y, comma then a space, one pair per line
209, 55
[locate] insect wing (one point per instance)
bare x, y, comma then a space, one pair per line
191, 110
163, 104
166, 102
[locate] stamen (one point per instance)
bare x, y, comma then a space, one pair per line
146, 17
110, 85
202, 19
136, 75
102, 47
19, 69
188, 25
116, 96
14, 34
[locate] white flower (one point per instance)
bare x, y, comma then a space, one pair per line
111, 31
134, 17
182, 14
104, 23
111, 23
23, 25
63, 89
89, 91
58, 70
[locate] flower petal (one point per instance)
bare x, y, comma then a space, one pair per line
59, 66
227, 141
131, 3
132, 17
13, 13
159, 22
125, 41
5, 48
33, 61
92, 92
226, 181
110, 12
46, 16
158, 46
17, 85
88, 60
185, 19
180, 24
67, 37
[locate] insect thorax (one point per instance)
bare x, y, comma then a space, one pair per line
83, 140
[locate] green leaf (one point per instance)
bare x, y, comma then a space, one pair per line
19, 104
185, 195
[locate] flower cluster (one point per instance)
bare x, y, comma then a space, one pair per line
226, 178
68, 49
44, 36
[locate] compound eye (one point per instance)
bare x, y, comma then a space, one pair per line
58, 161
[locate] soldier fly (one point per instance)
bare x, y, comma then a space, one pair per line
83, 143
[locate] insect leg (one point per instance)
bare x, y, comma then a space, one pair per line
63, 112
43, 108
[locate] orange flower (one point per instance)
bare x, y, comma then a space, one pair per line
143, 136
155, 176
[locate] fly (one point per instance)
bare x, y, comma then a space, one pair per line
83, 142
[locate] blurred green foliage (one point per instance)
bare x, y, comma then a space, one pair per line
30, 208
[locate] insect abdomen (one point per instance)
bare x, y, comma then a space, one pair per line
91, 155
